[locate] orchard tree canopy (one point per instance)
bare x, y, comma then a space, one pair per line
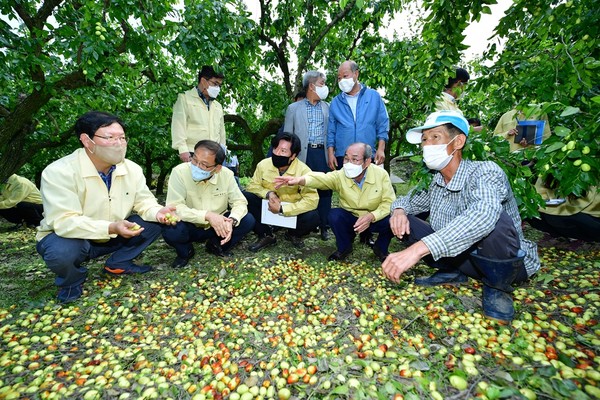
61, 58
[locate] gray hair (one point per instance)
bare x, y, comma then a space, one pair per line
353, 66
368, 151
311, 77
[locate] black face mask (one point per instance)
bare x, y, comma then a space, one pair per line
280, 161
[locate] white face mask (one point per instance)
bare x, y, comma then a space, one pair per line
352, 170
436, 157
346, 84
110, 154
322, 91
213, 91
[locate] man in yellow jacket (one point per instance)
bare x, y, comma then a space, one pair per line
571, 217
507, 125
210, 204
366, 195
197, 115
20, 201
89, 197
299, 202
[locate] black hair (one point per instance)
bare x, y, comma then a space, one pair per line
91, 121
452, 130
461, 76
214, 148
288, 137
207, 72
300, 95
474, 121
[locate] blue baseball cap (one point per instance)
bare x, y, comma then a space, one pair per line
436, 119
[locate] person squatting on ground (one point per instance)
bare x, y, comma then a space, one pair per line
21, 201
89, 197
210, 204
300, 202
474, 228
365, 193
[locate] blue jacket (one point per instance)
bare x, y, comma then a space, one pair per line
372, 122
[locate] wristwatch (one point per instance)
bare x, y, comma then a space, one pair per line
235, 221
280, 210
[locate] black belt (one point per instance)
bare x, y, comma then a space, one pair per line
316, 146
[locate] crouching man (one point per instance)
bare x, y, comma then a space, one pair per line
475, 227
88, 198
365, 193
211, 206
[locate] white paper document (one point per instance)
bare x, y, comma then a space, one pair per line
268, 218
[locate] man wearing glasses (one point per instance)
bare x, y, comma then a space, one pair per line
96, 202
365, 193
210, 204
197, 115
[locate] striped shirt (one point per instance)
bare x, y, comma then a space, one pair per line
316, 123
466, 210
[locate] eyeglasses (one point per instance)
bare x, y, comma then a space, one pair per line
202, 165
113, 139
353, 160
214, 83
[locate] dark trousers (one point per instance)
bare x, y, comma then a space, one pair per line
305, 223
342, 224
316, 160
501, 244
183, 234
578, 226
29, 213
64, 255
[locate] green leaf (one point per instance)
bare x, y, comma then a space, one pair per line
486, 10
570, 111
553, 147
596, 99
343, 389
563, 131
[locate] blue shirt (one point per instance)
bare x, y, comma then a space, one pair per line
371, 124
107, 178
316, 123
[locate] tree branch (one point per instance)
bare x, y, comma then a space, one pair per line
313, 45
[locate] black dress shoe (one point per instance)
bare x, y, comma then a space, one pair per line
325, 234
380, 254
181, 262
367, 238
216, 249
296, 240
339, 256
262, 243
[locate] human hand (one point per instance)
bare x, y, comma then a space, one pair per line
363, 222
185, 157
124, 228
223, 226
331, 160
512, 132
399, 223
167, 215
287, 180
274, 203
379, 157
523, 142
397, 263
